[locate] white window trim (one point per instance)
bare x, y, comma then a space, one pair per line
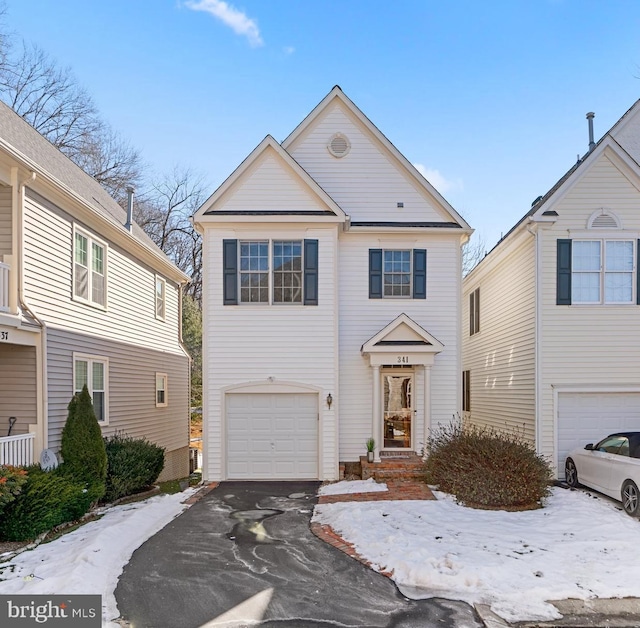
592, 237
165, 379
398, 296
90, 240
270, 271
164, 298
90, 359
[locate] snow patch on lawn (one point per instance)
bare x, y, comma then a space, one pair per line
352, 486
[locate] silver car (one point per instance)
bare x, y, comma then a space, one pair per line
612, 467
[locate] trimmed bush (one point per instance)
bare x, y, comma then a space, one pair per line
133, 464
82, 446
485, 468
11, 482
48, 499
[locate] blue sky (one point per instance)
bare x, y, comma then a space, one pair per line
488, 97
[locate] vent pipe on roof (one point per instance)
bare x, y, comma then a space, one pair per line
129, 222
590, 117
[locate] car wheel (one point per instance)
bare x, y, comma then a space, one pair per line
630, 498
571, 473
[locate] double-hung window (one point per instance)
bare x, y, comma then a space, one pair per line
92, 372
89, 269
270, 272
397, 273
161, 297
602, 271
162, 382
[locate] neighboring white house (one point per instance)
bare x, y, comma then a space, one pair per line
332, 283
551, 316
83, 300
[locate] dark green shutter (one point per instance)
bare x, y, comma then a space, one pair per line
563, 273
419, 273
230, 271
310, 272
375, 273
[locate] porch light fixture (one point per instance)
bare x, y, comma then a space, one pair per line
329, 401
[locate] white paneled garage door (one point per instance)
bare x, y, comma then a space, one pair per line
272, 436
588, 417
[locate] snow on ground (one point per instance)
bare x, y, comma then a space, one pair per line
575, 547
352, 486
90, 559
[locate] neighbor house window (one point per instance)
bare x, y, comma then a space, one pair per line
89, 269
270, 272
466, 391
161, 390
474, 312
397, 273
92, 371
161, 291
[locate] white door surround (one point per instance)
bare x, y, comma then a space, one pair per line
401, 343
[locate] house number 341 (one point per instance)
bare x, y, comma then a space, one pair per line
403, 359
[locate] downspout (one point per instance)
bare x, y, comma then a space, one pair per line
537, 329
17, 200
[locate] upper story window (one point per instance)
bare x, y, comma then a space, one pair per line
602, 271
270, 271
92, 372
89, 269
397, 273
161, 297
474, 312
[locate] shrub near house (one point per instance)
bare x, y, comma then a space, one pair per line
485, 468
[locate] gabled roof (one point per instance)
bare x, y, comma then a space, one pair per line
337, 93
22, 142
402, 333
332, 211
538, 207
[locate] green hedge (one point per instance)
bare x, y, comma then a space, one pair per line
47, 499
133, 464
485, 468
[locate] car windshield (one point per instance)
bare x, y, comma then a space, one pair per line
614, 445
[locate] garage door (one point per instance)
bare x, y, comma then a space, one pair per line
588, 417
272, 436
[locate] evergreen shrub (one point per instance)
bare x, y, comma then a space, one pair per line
486, 468
133, 464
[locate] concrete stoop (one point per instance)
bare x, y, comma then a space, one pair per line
594, 613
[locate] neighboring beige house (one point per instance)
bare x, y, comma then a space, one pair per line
332, 283
83, 300
551, 316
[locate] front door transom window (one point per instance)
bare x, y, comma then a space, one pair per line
398, 410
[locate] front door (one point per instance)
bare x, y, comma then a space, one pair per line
397, 410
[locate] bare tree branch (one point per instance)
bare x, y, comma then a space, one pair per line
473, 253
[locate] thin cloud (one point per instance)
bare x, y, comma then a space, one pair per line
288, 50
438, 180
236, 20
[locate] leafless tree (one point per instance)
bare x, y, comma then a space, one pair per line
472, 254
164, 213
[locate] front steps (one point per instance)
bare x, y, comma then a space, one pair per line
407, 466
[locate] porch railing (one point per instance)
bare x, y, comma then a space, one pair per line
4, 287
17, 450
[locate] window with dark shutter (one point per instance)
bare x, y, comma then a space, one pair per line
375, 273
474, 312
311, 272
230, 271
419, 273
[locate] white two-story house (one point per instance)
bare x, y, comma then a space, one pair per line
332, 282
85, 298
551, 316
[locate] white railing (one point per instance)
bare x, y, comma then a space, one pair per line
4, 287
17, 450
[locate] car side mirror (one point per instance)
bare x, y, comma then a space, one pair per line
589, 447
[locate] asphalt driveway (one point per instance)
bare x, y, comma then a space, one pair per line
244, 555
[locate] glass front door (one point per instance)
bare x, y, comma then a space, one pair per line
398, 410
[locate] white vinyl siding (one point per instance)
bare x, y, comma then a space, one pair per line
5, 221
365, 181
93, 372
287, 344
501, 359
361, 318
49, 234
589, 346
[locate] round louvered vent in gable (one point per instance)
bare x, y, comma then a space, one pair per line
339, 145
603, 219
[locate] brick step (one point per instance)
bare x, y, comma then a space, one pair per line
383, 475
410, 467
